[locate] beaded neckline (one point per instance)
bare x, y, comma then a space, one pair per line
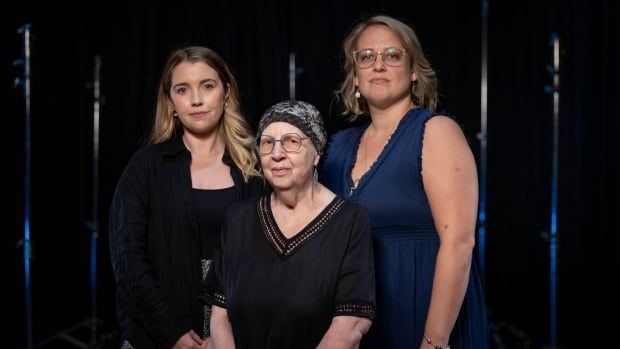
287, 246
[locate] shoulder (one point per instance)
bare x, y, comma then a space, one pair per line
441, 127
342, 142
140, 160
148, 153
344, 136
253, 186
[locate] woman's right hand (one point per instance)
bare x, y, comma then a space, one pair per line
190, 340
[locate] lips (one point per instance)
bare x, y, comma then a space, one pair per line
279, 171
379, 81
198, 114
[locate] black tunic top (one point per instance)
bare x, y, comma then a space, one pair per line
283, 293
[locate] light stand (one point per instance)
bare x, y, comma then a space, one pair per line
293, 71
24, 82
94, 224
552, 236
502, 334
92, 323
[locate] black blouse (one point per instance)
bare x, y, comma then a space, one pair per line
210, 207
283, 292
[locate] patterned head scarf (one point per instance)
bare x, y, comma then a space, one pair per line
300, 114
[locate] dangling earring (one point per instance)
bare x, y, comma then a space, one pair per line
357, 93
316, 175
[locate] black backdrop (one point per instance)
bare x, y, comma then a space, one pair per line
256, 39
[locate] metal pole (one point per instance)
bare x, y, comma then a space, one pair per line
95, 203
483, 142
24, 31
292, 74
553, 236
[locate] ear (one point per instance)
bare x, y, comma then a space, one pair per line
316, 159
227, 93
355, 81
414, 76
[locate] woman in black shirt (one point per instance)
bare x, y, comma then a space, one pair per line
169, 203
295, 269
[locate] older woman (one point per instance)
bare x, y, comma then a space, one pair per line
295, 268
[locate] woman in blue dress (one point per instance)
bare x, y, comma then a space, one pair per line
413, 169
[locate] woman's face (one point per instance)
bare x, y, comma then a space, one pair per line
383, 85
198, 96
287, 170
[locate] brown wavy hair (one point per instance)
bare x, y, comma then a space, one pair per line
423, 91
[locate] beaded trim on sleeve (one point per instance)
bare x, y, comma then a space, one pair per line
368, 310
218, 298
285, 247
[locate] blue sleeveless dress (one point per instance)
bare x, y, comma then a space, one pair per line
404, 237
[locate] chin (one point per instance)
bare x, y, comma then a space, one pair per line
281, 184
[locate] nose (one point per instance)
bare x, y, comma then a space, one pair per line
196, 98
278, 152
379, 64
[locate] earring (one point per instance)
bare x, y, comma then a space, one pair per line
316, 175
357, 93
174, 113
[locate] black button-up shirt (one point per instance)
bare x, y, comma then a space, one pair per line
154, 245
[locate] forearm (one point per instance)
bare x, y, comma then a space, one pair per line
221, 330
449, 287
345, 332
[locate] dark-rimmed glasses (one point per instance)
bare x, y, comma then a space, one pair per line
391, 56
291, 143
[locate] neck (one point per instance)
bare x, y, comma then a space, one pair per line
291, 198
213, 143
385, 119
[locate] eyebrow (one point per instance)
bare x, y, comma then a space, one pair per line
201, 82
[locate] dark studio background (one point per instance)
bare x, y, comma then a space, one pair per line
256, 39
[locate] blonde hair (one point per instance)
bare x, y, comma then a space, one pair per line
423, 91
233, 126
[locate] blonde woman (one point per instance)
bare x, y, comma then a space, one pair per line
413, 169
170, 201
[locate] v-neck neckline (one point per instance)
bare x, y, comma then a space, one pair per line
354, 188
287, 246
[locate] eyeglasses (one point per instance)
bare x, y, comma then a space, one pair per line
391, 56
291, 143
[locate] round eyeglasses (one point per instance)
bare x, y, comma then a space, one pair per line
291, 143
391, 56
